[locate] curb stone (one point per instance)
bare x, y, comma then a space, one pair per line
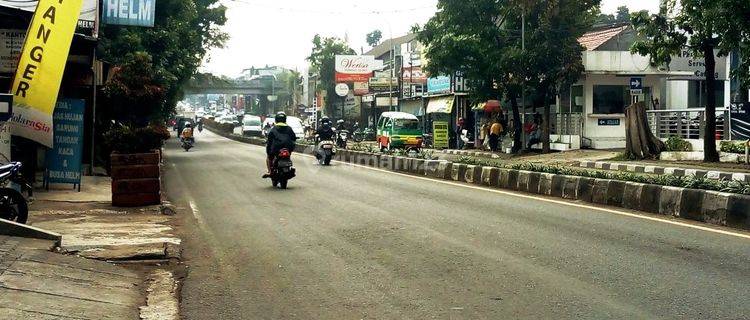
631, 197
585, 189
599, 191
650, 198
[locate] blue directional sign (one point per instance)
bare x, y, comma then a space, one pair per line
65, 157
636, 83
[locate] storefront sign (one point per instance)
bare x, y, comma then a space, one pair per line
65, 157
11, 43
383, 102
609, 122
413, 75
368, 98
361, 88
440, 131
441, 84
383, 84
740, 121
351, 68
342, 89
40, 69
86, 20
129, 12
685, 61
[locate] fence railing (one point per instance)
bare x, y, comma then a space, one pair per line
686, 123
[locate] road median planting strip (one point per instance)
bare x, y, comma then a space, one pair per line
726, 209
659, 170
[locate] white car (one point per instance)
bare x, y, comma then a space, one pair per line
296, 125
251, 126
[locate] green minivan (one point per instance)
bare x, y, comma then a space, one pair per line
399, 130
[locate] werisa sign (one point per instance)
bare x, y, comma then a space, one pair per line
352, 68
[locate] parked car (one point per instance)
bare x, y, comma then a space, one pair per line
252, 126
296, 125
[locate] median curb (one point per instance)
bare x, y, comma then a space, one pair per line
713, 207
661, 170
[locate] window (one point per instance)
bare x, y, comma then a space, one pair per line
576, 99
611, 99
408, 124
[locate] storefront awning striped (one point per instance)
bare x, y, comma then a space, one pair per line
440, 105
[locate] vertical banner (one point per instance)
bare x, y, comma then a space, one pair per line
40, 69
65, 157
440, 134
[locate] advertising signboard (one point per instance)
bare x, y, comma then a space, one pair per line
440, 134
413, 75
361, 88
383, 84
685, 61
440, 84
129, 12
40, 69
352, 68
64, 159
11, 43
86, 20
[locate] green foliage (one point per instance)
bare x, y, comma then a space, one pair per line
125, 139
622, 15
323, 62
733, 147
373, 38
675, 143
663, 180
482, 39
163, 58
622, 156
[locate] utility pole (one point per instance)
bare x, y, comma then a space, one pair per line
523, 81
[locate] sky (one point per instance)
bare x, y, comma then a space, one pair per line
280, 32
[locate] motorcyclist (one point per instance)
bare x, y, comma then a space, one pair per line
325, 131
187, 133
281, 136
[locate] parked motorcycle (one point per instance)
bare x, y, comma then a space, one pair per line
325, 151
363, 135
187, 144
13, 205
342, 136
282, 169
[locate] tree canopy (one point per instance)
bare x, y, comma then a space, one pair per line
323, 62
164, 57
703, 28
374, 37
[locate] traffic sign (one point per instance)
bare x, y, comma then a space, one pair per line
636, 83
342, 89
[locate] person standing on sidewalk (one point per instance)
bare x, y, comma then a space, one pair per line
495, 130
483, 130
459, 133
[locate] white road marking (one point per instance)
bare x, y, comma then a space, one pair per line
572, 204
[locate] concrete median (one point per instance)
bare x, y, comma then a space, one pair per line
570, 187
490, 176
631, 196
473, 174
585, 189
670, 199
650, 196
599, 191
458, 172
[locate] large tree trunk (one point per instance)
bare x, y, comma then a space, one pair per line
640, 142
517, 126
709, 135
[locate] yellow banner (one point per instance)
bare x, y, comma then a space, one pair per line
41, 67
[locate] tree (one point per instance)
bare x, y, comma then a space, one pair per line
171, 51
554, 51
482, 38
323, 62
373, 38
703, 28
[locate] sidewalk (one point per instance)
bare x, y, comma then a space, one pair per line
38, 284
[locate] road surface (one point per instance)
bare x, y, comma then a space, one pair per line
353, 243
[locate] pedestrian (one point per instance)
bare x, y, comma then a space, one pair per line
495, 130
483, 130
532, 130
460, 133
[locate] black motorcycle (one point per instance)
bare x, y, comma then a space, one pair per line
13, 205
282, 169
342, 137
364, 135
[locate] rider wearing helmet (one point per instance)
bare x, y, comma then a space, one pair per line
187, 133
281, 136
325, 131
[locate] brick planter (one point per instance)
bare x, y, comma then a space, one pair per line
135, 179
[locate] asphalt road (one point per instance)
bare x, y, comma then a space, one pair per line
353, 243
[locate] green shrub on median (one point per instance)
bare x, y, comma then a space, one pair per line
733, 147
663, 180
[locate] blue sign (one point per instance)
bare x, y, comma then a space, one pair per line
64, 159
129, 12
439, 84
636, 83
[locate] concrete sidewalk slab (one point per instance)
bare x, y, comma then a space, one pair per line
38, 284
93, 189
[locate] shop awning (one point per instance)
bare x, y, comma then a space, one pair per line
440, 105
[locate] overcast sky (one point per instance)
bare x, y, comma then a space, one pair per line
279, 32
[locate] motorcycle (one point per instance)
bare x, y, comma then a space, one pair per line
342, 136
362, 135
13, 205
200, 126
282, 169
325, 151
187, 144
